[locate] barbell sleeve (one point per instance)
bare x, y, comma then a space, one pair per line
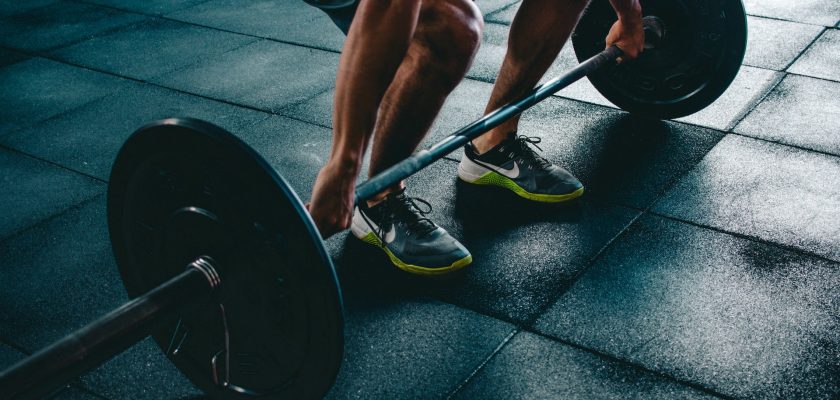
424, 158
52, 367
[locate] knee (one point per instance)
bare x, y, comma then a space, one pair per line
450, 31
464, 24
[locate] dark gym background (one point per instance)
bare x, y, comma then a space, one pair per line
704, 260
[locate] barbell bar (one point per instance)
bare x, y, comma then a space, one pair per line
225, 267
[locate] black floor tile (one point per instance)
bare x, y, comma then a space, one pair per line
533, 367
158, 7
34, 190
822, 58
748, 88
522, 260
798, 112
9, 57
745, 319
17, 7
413, 350
490, 6
504, 15
59, 276
74, 394
819, 12
774, 44
141, 372
316, 110
150, 49
765, 190
87, 139
37, 89
9, 356
266, 75
60, 24
292, 21
297, 150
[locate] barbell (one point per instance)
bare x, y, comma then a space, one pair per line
228, 273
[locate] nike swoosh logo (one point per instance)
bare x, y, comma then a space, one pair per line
389, 237
512, 173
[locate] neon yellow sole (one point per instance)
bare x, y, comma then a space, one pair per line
493, 178
371, 238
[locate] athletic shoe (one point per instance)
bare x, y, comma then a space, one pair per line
514, 165
398, 225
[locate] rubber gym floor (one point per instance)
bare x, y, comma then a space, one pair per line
703, 261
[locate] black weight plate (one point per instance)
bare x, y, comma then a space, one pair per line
700, 54
183, 188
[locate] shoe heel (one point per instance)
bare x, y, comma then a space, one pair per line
358, 226
471, 172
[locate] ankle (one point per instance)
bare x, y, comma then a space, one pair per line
488, 141
381, 196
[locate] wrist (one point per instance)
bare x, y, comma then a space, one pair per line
345, 166
631, 14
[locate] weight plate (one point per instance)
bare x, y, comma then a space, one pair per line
700, 54
183, 188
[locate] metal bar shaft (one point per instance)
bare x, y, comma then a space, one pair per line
424, 158
52, 367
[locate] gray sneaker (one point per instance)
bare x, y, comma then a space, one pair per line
398, 225
514, 165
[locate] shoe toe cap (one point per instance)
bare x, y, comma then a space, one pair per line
437, 249
561, 181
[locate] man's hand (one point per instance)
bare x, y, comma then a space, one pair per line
628, 32
331, 206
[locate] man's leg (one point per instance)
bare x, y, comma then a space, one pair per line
446, 39
376, 46
447, 36
499, 157
537, 34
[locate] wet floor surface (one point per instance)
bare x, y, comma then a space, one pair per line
702, 262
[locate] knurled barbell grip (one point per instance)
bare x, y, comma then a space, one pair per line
54, 366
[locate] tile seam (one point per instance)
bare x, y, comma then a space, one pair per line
629, 364
805, 49
50, 218
790, 145
750, 106
165, 17
481, 365
752, 238
53, 163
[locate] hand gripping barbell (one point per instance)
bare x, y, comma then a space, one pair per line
227, 271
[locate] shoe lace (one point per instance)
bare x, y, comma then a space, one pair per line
411, 212
525, 153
